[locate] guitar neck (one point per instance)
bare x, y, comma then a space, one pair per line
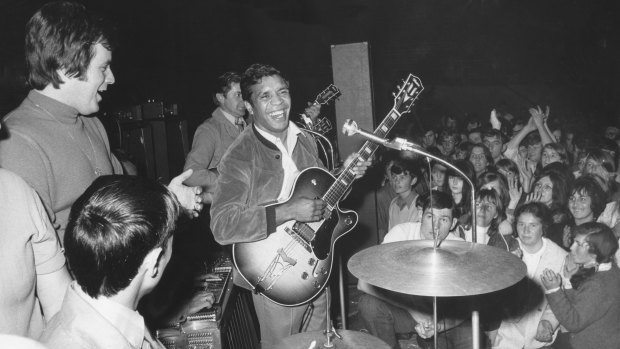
344, 181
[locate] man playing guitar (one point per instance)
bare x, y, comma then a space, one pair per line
256, 178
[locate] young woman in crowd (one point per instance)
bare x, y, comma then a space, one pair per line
591, 308
461, 192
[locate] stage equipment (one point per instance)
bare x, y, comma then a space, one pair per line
427, 268
346, 340
292, 265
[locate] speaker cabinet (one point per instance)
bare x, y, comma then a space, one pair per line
352, 74
171, 145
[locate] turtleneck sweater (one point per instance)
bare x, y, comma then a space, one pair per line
56, 151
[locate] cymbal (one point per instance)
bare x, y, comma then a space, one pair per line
350, 340
456, 268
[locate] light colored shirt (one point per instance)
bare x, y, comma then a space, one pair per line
531, 260
408, 213
127, 321
234, 120
288, 165
28, 247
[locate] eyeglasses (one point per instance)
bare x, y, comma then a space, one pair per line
543, 187
581, 243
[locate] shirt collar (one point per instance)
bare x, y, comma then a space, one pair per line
62, 112
604, 266
230, 117
127, 321
291, 137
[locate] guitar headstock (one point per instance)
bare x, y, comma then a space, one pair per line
407, 94
328, 94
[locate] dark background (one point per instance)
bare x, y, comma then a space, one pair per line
471, 55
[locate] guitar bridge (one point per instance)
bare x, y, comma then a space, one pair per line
293, 234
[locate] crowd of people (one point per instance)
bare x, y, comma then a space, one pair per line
544, 192
547, 194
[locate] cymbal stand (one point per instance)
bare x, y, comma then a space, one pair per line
403, 144
330, 330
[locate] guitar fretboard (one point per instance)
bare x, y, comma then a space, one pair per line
335, 193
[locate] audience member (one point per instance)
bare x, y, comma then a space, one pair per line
591, 308
404, 176
118, 242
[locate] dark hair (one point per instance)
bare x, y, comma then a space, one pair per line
462, 210
560, 149
112, 226
224, 84
449, 133
602, 243
440, 201
493, 197
589, 185
402, 165
485, 150
63, 35
559, 193
492, 176
536, 209
253, 76
508, 165
532, 138
491, 132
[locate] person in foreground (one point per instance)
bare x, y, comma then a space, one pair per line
117, 243
590, 311
389, 315
258, 169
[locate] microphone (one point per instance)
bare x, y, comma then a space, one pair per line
350, 128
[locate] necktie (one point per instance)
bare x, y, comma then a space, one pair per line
239, 123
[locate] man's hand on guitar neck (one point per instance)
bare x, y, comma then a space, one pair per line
313, 111
360, 166
300, 209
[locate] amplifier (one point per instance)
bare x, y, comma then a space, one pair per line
229, 324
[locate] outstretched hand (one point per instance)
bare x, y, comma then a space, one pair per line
190, 198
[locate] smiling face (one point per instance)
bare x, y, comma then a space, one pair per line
82, 93
580, 206
478, 159
270, 105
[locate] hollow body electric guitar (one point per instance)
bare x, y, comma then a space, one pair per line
322, 125
292, 265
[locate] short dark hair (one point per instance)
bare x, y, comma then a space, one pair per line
600, 238
63, 35
112, 226
440, 200
224, 84
401, 165
253, 75
532, 138
538, 210
491, 132
590, 186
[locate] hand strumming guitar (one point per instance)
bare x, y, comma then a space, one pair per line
300, 209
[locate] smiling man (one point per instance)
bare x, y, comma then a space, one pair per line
260, 168
52, 142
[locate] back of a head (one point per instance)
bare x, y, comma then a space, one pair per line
112, 226
62, 35
253, 75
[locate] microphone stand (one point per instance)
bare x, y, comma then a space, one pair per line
403, 144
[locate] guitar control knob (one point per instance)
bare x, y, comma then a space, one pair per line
311, 261
323, 271
348, 221
304, 275
316, 284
